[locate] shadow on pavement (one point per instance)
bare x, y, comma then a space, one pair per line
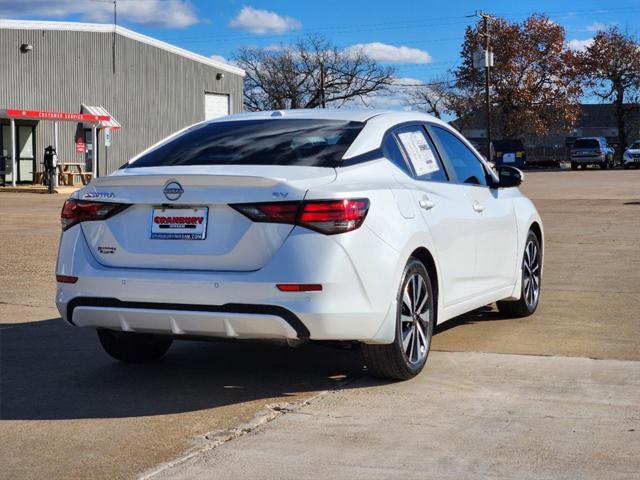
50, 371
483, 314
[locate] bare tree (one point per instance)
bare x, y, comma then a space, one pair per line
611, 69
434, 98
308, 74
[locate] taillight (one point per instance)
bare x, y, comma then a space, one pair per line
324, 216
333, 216
598, 152
76, 211
272, 212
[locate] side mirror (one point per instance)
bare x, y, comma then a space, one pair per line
509, 176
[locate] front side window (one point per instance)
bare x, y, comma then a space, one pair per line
312, 143
466, 165
421, 154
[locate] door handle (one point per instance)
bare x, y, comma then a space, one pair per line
477, 207
426, 204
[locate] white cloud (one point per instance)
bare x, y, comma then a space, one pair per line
263, 22
598, 26
218, 58
407, 81
385, 53
158, 13
579, 45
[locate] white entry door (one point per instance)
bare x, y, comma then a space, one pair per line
216, 105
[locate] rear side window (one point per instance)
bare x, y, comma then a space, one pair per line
586, 143
420, 153
315, 143
466, 165
393, 153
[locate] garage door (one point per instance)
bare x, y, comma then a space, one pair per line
215, 105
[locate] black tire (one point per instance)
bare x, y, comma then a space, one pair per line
604, 165
574, 166
528, 302
392, 361
134, 347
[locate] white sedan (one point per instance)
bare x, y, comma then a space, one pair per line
631, 157
367, 226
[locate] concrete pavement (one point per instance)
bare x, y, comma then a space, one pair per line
469, 415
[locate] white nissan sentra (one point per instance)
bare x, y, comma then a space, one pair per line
366, 226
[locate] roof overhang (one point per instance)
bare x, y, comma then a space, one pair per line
125, 32
101, 112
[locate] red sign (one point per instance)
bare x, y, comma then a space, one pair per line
80, 145
59, 116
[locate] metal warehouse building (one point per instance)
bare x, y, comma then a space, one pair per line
100, 93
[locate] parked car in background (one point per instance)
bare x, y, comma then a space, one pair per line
510, 151
359, 226
631, 157
591, 151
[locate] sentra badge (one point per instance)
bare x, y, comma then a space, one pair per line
99, 195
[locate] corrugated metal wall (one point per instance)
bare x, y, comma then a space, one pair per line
152, 93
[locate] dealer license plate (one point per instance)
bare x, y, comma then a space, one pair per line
179, 223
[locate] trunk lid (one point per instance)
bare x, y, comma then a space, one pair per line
232, 242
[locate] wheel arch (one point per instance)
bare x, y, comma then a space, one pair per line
537, 229
424, 255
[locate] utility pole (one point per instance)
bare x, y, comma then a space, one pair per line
113, 47
115, 21
488, 63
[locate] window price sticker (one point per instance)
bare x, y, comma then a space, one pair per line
420, 154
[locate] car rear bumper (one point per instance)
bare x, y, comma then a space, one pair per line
231, 321
588, 159
356, 295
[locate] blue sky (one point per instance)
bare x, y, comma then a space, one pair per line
420, 38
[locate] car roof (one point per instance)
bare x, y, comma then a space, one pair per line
349, 115
344, 114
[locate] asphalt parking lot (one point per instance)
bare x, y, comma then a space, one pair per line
556, 395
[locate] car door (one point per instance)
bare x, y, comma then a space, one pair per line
444, 210
492, 209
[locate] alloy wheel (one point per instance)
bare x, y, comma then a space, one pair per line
414, 319
531, 274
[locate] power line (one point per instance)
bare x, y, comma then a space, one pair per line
432, 22
299, 33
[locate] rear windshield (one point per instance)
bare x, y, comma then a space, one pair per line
586, 143
316, 143
635, 146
